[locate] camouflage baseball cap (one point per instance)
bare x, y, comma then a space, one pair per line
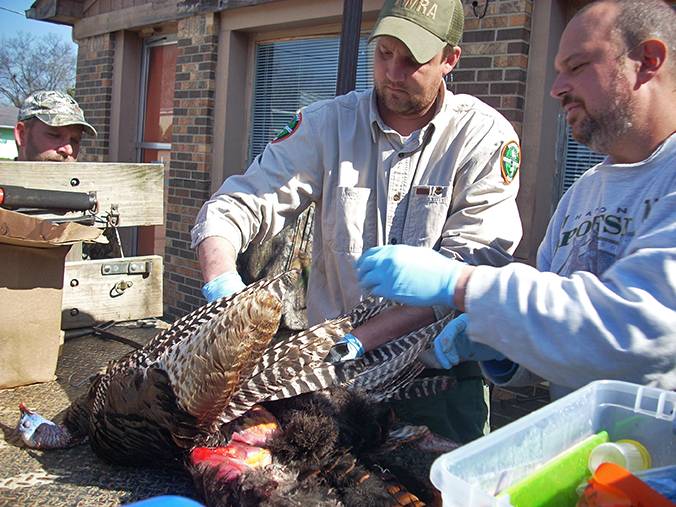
56, 109
425, 26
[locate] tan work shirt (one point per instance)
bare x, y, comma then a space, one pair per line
450, 186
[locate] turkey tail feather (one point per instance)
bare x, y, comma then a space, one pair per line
206, 369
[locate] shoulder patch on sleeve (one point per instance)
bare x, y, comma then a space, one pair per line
510, 160
289, 129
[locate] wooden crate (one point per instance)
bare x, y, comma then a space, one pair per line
134, 191
121, 289
99, 290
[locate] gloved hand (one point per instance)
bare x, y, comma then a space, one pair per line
348, 348
407, 274
223, 285
453, 345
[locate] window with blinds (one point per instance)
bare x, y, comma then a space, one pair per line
290, 74
574, 159
578, 159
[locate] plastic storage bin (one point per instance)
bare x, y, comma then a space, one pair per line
472, 475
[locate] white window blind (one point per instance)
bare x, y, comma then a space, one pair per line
291, 74
578, 159
574, 159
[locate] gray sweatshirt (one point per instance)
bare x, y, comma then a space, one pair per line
602, 303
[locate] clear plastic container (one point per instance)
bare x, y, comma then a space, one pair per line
472, 475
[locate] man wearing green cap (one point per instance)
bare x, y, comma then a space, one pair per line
49, 128
406, 162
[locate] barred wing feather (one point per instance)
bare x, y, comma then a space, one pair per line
386, 369
296, 365
286, 364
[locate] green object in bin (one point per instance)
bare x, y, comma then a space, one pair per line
554, 484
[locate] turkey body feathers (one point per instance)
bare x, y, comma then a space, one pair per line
315, 456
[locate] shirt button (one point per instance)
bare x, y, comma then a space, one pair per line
396, 197
393, 241
401, 155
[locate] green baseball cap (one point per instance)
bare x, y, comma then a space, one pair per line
56, 109
425, 26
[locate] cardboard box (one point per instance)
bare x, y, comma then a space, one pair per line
476, 474
32, 257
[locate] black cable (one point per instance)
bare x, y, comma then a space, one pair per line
474, 6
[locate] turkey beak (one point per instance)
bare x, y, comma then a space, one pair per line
25, 410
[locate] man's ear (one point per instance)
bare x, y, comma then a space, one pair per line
451, 60
651, 55
20, 134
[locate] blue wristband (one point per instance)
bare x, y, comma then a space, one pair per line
348, 348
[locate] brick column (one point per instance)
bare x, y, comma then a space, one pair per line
494, 57
191, 157
93, 91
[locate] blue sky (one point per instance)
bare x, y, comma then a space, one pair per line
12, 23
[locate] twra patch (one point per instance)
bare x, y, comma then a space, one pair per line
289, 129
510, 160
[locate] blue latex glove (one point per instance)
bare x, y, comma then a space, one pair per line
348, 348
453, 345
223, 285
407, 274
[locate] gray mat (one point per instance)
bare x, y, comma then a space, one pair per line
74, 477
77, 477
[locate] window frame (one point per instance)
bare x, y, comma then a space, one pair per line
239, 31
140, 145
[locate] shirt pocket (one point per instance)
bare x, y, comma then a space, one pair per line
427, 213
346, 227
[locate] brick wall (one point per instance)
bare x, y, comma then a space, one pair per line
190, 166
494, 57
93, 92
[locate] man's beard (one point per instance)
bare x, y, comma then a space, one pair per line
410, 105
45, 157
34, 154
600, 131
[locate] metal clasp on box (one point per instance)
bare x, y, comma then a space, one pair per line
127, 268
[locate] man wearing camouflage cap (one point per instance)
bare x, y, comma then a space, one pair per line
405, 162
49, 128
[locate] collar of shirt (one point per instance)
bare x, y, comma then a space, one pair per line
378, 125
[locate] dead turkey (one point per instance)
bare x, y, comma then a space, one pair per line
210, 394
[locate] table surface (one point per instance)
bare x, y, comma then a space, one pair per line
77, 476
